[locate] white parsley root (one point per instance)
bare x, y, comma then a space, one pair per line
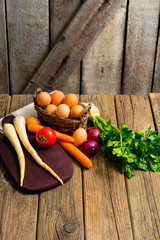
10, 132
19, 124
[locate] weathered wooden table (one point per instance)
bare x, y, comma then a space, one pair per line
99, 203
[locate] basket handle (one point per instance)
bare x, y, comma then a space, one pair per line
85, 115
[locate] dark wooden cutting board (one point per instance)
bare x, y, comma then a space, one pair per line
37, 179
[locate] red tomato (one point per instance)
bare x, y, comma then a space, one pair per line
46, 137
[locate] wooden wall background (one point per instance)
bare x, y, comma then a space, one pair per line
125, 58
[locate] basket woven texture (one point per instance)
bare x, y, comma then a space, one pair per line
63, 125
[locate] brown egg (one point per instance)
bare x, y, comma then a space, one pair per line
51, 108
57, 97
43, 99
76, 111
70, 99
63, 111
80, 136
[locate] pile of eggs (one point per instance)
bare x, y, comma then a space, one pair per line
65, 106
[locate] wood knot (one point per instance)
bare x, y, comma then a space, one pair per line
6, 176
63, 38
69, 227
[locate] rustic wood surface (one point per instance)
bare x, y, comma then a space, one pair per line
72, 44
57, 219
59, 19
4, 78
123, 59
28, 39
18, 210
109, 207
102, 64
99, 203
140, 49
156, 85
136, 112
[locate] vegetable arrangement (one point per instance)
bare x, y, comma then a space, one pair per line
131, 150
79, 147
20, 127
70, 144
76, 153
19, 124
34, 128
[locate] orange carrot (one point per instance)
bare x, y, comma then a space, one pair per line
33, 127
76, 153
64, 137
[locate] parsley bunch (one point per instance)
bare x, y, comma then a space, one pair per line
131, 150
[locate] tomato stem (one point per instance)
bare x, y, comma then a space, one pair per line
43, 139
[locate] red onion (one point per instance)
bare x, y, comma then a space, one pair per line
93, 133
90, 148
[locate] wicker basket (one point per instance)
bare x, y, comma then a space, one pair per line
63, 125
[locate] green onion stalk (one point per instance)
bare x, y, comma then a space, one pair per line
98, 121
95, 117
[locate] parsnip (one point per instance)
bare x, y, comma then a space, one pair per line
19, 124
10, 132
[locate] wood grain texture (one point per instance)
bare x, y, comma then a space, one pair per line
143, 189
61, 210
142, 28
18, 215
4, 78
5, 100
61, 13
155, 103
59, 19
71, 46
102, 64
5, 104
105, 197
72, 83
156, 82
28, 34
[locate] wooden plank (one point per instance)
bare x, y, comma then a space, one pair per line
28, 34
140, 46
156, 82
73, 43
4, 109
67, 222
4, 103
143, 189
102, 64
4, 79
18, 210
155, 102
61, 13
61, 210
59, 19
105, 197
72, 83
